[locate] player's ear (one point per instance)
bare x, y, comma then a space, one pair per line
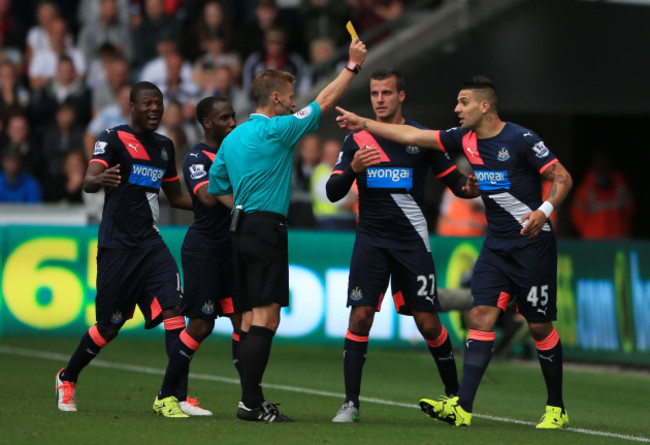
402, 96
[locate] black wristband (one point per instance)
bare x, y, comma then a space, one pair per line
353, 66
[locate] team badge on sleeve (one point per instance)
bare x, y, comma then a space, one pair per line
100, 148
197, 171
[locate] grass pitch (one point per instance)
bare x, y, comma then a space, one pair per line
115, 395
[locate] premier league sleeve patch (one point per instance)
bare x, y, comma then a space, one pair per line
197, 171
540, 150
304, 113
100, 148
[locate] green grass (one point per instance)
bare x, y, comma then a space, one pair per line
115, 403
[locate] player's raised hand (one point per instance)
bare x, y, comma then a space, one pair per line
536, 220
470, 188
365, 157
111, 177
348, 120
358, 51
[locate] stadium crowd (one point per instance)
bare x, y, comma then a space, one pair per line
66, 68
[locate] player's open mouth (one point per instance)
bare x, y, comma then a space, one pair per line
153, 118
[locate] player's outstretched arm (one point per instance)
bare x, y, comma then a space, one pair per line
562, 183
404, 134
334, 90
98, 176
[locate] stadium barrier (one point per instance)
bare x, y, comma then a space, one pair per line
48, 288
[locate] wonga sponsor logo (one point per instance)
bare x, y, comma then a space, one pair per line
388, 177
492, 180
146, 176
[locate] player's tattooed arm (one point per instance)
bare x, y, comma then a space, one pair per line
561, 183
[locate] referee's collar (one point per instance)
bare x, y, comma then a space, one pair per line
258, 116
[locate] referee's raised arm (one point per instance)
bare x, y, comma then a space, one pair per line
334, 90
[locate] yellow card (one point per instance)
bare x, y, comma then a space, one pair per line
351, 30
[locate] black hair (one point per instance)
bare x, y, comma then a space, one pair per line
387, 72
204, 107
142, 86
484, 84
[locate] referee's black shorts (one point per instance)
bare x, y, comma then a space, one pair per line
262, 260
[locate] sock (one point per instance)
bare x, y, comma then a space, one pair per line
235, 353
549, 352
91, 343
443, 355
254, 355
173, 328
478, 353
178, 365
355, 350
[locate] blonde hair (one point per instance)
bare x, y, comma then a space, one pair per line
268, 81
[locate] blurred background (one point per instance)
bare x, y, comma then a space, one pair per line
574, 71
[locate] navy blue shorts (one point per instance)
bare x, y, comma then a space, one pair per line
525, 270
262, 260
146, 277
412, 275
209, 286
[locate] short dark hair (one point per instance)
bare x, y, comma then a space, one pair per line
266, 82
205, 105
387, 72
484, 84
142, 86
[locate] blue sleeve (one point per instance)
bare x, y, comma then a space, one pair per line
346, 155
219, 181
451, 140
34, 192
291, 128
196, 170
537, 154
104, 150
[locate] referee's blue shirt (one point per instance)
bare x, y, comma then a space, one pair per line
255, 160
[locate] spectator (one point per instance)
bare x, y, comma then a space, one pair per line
329, 215
215, 55
221, 82
108, 117
12, 92
60, 138
275, 56
301, 214
603, 204
38, 37
213, 21
182, 132
157, 70
367, 14
148, 32
178, 88
67, 86
459, 216
251, 36
17, 185
321, 60
74, 170
89, 11
43, 65
106, 28
118, 74
18, 134
325, 19
12, 30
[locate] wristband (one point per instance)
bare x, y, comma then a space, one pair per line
546, 208
353, 66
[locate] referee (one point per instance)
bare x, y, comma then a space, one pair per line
254, 165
